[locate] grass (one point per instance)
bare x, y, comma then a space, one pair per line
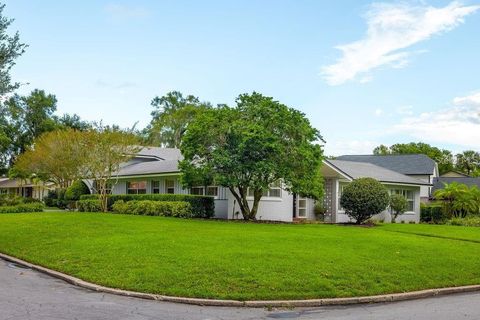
228, 260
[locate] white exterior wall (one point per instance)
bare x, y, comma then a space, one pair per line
424, 190
273, 209
385, 216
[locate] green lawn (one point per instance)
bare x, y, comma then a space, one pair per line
228, 260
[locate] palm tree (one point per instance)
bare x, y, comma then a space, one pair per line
456, 198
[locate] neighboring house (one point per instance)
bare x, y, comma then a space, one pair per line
24, 188
155, 170
439, 183
454, 174
417, 166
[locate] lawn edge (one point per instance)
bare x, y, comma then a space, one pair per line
413, 295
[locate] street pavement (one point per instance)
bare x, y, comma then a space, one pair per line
26, 294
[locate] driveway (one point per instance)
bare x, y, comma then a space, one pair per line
27, 294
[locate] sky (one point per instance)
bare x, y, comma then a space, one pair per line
364, 73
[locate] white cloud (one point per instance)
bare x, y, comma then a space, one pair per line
119, 11
405, 110
391, 29
378, 112
338, 148
458, 124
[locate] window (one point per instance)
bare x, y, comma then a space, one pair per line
302, 207
156, 187
137, 187
170, 186
275, 191
198, 191
212, 191
3, 191
408, 194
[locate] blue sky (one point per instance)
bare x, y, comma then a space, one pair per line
363, 72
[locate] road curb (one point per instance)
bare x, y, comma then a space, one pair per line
252, 304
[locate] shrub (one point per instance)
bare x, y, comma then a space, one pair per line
469, 221
89, 205
61, 202
27, 207
202, 206
10, 200
51, 199
180, 209
319, 210
432, 213
364, 198
77, 189
398, 204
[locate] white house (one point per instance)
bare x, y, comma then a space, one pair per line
155, 170
25, 188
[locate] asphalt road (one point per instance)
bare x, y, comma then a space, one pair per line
27, 294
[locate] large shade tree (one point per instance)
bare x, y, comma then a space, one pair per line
10, 49
107, 148
56, 156
63, 156
251, 146
171, 116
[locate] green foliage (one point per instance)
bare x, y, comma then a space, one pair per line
10, 200
181, 209
201, 206
10, 49
469, 221
319, 209
89, 205
51, 199
23, 207
398, 205
432, 213
468, 162
253, 145
363, 198
77, 189
459, 200
173, 112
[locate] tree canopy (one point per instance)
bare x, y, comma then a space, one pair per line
171, 116
251, 146
10, 49
25, 118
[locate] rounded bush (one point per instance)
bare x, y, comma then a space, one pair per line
77, 189
363, 198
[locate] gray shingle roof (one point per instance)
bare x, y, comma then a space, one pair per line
151, 167
439, 183
161, 153
356, 170
406, 164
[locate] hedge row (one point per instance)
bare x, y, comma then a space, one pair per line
27, 207
89, 205
201, 206
180, 209
432, 214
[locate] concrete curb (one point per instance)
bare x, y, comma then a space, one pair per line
253, 304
